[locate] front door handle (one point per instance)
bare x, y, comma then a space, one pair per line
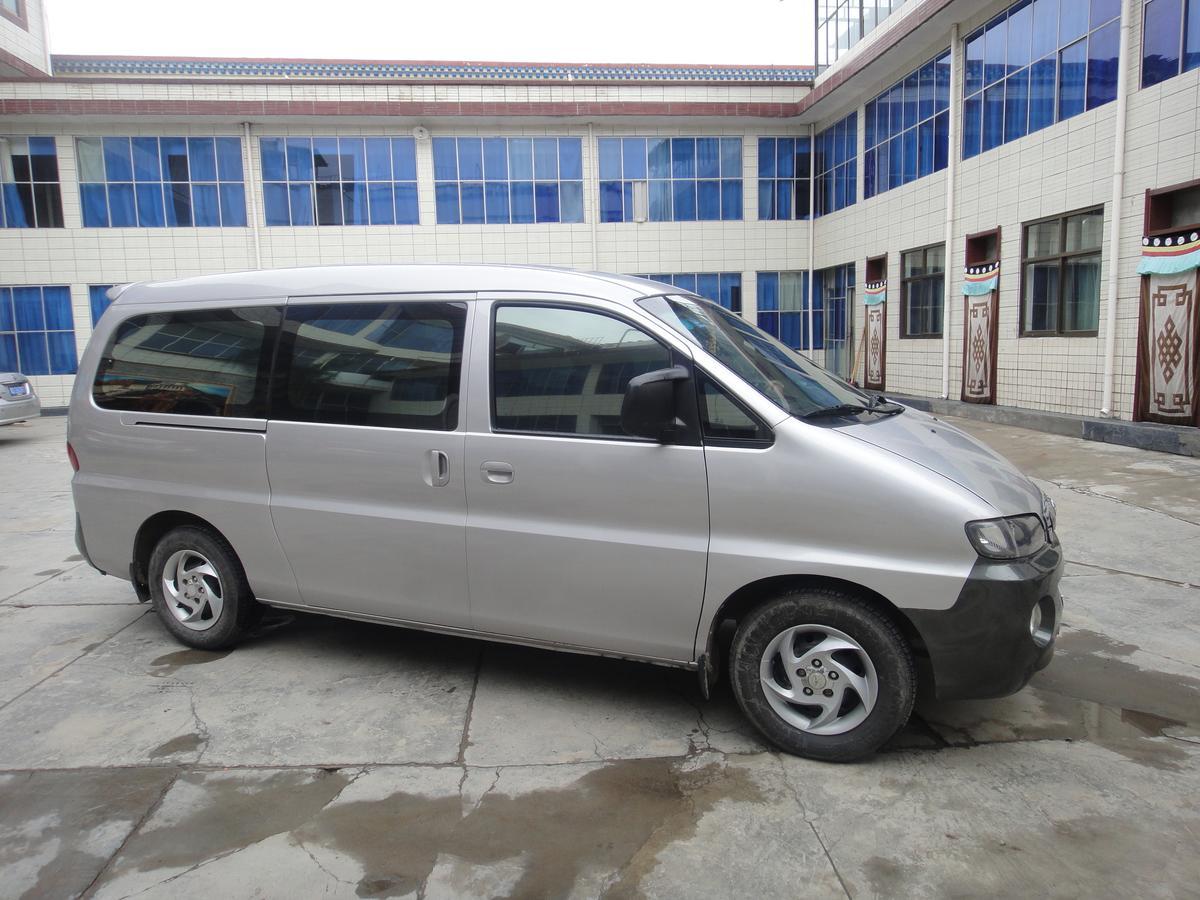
437, 473
497, 472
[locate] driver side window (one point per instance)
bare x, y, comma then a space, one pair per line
564, 371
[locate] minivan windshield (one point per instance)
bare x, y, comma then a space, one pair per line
783, 376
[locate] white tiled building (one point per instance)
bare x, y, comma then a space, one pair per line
981, 151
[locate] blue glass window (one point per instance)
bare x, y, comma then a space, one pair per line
37, 331
338, 181
1037, 63
501, 181
783, 302
687, 179
783, 170
907, 140
30, 194
156, 182
724, 288
1170, 39
98, 300
836, 166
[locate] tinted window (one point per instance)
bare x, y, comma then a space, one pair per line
204, 363
564, 371
723, 419
390, 365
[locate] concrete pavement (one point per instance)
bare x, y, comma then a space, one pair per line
332, 758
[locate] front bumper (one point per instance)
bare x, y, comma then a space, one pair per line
982, 646
19, 410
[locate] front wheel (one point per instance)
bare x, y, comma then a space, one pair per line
823, 675
199, 589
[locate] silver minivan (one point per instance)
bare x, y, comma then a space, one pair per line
586, 462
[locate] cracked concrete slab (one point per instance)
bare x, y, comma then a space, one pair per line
59, 829
39, 642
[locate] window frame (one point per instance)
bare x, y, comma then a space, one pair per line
31, 184
1181, 65
873, 159
1060, 258
905, 282
689, 413
20, 17
827, 172
1152, 228
797, 179
628, 211
44, 332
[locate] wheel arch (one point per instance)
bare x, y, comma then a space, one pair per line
148, 536
750, 596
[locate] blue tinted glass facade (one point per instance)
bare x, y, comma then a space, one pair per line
1038, 62
837, 166
783, 301
98, 300
37, 331
1170, 39
783, 177
161, 182
724, 288
501, 181
687, 179
908, 128
30, 194
339, 180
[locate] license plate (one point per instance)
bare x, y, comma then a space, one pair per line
18, 390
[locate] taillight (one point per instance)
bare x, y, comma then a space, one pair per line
72, 457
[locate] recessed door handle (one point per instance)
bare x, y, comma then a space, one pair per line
437, 472
497, 472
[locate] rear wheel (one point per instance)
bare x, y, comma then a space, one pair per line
823, 675
199, 589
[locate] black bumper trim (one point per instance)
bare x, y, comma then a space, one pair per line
981, 647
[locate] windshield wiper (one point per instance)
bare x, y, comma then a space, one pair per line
841, 409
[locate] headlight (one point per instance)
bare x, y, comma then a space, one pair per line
1012, 537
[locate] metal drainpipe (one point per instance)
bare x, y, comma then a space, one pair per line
1114, 212
812, 227
251, 196
951, 180
594, 193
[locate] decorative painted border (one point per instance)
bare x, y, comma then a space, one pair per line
377, 70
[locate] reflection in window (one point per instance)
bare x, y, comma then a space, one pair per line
1037, 63
908, 128
683, 179
1170, 39
837, 166
37, 334
152, 182
339, 181
565, 371
389, 365
203, 363
724, 288
1060, 281
501, 181
783, 300
783, 170
922, 290
30, 194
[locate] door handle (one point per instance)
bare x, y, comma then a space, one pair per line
437, 472
497, 472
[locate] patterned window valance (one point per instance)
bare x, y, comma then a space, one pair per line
1170, 254
876, 292
980, 280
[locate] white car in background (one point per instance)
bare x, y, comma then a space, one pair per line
18, 402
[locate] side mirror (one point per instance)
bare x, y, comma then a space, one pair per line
648, 410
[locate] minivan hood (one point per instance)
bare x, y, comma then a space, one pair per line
951, 452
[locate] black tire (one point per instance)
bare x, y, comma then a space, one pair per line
875, 633
239, 610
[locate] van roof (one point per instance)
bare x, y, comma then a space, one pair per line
385, 279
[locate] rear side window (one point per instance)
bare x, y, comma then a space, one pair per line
199, 363
389, 365
565, 371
